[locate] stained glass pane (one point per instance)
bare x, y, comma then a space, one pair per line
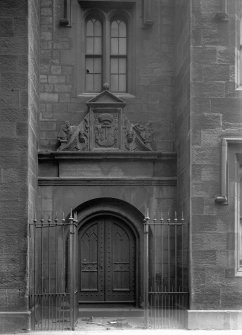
97, 82
114, 29
122, 46
97, 28
89, 28
122, 29
114, 46
89, 45
97, 48
114, 65
89, 82
97, 65
122, 65
114, 82
122, 83
89, 65
118, 65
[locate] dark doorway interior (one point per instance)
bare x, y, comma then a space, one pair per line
107, 253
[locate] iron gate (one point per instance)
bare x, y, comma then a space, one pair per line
165, 272
53, 280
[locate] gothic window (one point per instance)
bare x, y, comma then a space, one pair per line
106, 53
93, 59
118, 56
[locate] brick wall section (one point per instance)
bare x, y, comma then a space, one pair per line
153, 72
215, 112
16, 148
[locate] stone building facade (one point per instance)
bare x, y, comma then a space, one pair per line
167, 137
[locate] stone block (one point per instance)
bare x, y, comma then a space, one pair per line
197, 72
13, 45
206, 121
207, 298
216, 72
210, 172
46, 88
53, 79
9, 99
49, 97
48, 125
67, 69
204, 223
55, 69
46, 11
203, 155
204, 55
46, 20
8, 63
208, 89
203, 258
21, 128
62, 88
15, 8
7, 129
6, 27
224, 55
46, 35
14, 81
197, 205
20, 26
62, 45
64, 97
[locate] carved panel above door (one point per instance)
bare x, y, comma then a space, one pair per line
105, 128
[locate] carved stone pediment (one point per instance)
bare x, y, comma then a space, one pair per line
105, 128
106, 97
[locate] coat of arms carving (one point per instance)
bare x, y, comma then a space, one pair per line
106, 130
105, 127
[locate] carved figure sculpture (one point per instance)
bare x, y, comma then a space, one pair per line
74, 138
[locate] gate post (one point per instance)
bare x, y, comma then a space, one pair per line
146, 268
71, 254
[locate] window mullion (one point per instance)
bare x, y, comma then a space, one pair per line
106, 52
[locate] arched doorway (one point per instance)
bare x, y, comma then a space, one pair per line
108, 260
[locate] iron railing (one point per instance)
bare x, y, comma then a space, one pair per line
165, 272
53, 280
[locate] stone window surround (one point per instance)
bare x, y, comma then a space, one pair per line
231, 177
125, 12
238, 49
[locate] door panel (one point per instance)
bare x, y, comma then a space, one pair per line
120, 252
91, 242
107, 261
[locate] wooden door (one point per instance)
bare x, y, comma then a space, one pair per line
107, 261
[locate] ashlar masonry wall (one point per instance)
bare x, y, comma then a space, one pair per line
152, 73
18, 151
215, 113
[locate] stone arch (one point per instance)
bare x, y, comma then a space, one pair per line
130, 216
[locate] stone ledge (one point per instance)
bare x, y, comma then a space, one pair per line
165, 181
214, 319
100, 155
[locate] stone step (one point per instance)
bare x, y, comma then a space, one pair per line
110, 312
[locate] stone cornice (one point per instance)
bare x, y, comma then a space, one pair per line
110, 155
57, 181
